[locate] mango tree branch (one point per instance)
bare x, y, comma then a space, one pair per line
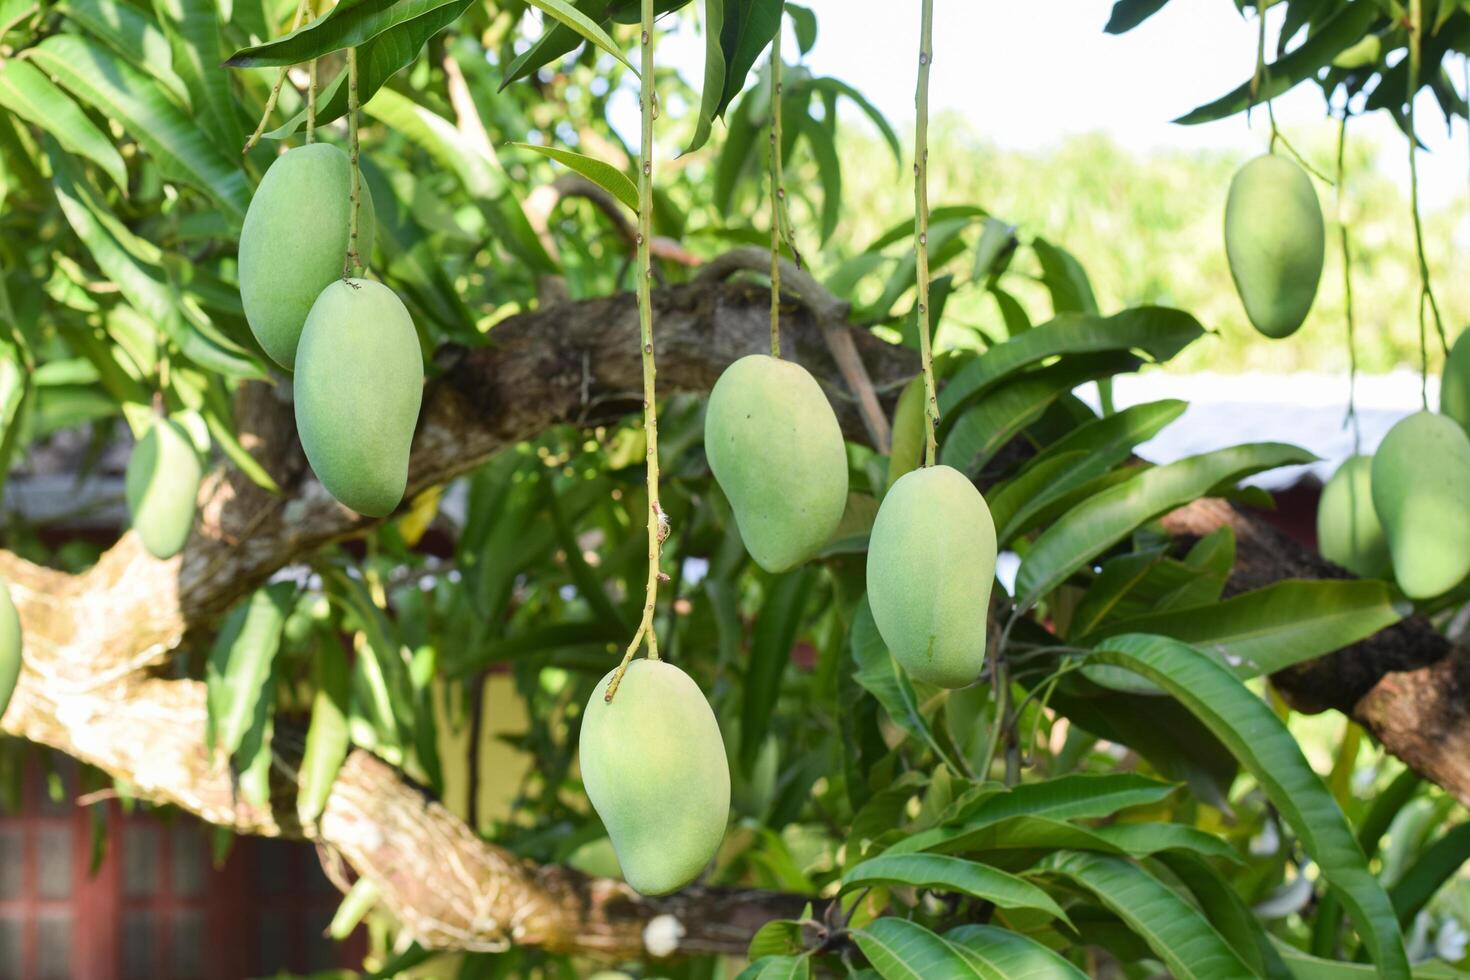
93, 639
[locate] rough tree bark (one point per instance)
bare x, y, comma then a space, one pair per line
93, 642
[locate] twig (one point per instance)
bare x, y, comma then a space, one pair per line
270, 103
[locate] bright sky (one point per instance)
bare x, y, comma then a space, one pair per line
1026, 74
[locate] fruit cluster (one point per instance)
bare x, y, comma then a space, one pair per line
1406, 509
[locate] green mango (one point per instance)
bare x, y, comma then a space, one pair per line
1421, 491
776, 449
655, 770
294, 242
358, 386
162, 487
1454, 386
10, 647
906, 452
931, 564
1348, 531
1274, 240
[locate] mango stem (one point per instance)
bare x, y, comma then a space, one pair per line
778, 192
657, 523
921, 225
270, 103
353, 261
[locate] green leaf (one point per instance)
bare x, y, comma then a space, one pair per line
348, 25
1342, 30
885, 130
585, 26
1174, 929
1269, 629
557, 40
378, 60
604, 175
944, 873
881, 677
1263, 745
1084, 454
1128, 14
1000, 953
1103, 520
1434, 866
327, 738
770, 651
829, 172
180, 148
1157, 331
739, 149
778, 968
1064, 277
382, 691
29, 94
714, 73
804, 23
114, 248
1228, 913
1307, 967
1077, 796
194, 34
745, 29
985, 426
134, 36
238, 674
904, 950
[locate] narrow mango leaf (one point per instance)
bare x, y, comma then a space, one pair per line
33, 97
1157, 331
778, 968
1041, 835
380, 681
134, 36
327, 739
1075, 796
736, 154
98, 229
348, 25
193, 29
996, 952
904, 950
837, 87
1263, 745
1128, 14
239, 669
1174, 929
1270, 629
355, 905
180, 148
1106, 518
1228, 913
585, 26
1306, 967
1085, 454
985, 427
557, 40
770, 652
944, 873
1344, 29
604, 175
714, 73
1434, 866
881, 677
735, 34
377, 61
1064, 277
